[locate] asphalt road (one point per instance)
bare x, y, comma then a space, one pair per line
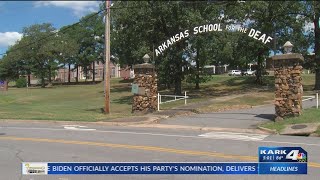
55, 142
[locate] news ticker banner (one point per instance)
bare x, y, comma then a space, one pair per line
272, 160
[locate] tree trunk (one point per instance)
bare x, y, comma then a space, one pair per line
177, 86
178, 75
317, 84
49, 76
93, 71
7, 85
64, 73
69, 74
197, 68
317, 49
104, 71
43, 83
77, 76
86, 74
259, 70
29, 78
168, 85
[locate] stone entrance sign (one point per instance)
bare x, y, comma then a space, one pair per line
144, 88
288, 85
3, 86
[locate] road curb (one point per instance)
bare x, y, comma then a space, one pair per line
218, 129
150, 120
267, 130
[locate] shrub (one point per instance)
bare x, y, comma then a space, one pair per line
21, 82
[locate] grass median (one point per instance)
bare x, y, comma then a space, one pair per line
311, 115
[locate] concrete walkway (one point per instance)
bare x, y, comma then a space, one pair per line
233, 119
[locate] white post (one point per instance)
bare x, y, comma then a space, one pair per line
158, 101
185, 97
317, 97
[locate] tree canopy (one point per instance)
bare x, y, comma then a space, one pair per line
164, 30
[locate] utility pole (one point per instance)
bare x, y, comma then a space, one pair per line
107, 58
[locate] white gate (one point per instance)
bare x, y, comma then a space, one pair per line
176, 98
313, 97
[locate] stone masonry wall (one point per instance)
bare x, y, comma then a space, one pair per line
146, 100
288, 91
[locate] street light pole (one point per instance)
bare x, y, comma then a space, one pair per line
107, 58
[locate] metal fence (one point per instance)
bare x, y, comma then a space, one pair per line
173, 97
316, 97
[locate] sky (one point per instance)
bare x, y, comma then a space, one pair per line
15, 15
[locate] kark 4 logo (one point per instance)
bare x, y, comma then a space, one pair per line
296, 155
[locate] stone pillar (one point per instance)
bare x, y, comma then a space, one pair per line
145, 89
288, 85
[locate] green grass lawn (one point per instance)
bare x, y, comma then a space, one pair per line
308, 116
84, 102
245, 101
77, 102
223, 85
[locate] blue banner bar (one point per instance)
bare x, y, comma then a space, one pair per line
152, 168
282, 154
283, 168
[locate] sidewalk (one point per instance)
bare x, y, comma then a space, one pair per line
242, 120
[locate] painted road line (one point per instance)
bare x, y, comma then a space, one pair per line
165, 135
77, 128
135, 147
145, 148
238, 138
234, 136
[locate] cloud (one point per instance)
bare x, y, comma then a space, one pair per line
79, 8
9, 38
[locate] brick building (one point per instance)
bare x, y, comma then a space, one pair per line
115, 71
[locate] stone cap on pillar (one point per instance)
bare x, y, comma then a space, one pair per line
286, 60
143, 68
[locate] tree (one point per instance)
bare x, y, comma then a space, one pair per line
15, 63
92, 43
132, 38
9, 70
75, 33
40, 49
274, 18
311, 13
